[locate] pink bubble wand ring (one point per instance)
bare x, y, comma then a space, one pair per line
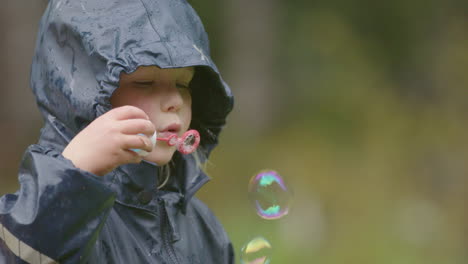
185, 144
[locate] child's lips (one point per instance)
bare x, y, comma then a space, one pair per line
166, 134
172, 129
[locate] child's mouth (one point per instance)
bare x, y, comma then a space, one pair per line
167, 134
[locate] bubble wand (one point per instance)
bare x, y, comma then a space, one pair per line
185, 144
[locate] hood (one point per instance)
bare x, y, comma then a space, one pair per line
83, 46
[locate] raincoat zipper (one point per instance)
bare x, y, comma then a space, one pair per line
165, 231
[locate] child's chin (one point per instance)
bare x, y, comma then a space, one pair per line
161, 157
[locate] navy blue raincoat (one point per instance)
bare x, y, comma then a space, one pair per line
62, 214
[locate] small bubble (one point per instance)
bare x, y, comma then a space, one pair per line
257, 251
270, 195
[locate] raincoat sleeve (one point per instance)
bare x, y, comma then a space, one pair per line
56, 215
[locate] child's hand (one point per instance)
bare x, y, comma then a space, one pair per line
105, 143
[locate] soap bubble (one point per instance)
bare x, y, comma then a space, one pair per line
270, 195
257, 251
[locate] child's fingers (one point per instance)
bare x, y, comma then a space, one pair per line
136, 142
136, 126
128, 112
130, 156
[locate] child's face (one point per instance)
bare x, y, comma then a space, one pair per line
165, 97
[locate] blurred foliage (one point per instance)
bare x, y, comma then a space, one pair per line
369, 131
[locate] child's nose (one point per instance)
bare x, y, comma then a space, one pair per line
172, 100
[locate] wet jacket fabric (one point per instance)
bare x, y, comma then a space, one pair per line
62, 214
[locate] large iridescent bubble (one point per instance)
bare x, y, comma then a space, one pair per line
257, 251
270, 195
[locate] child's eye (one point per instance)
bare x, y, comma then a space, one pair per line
183, 86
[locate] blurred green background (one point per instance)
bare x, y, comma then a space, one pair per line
360, 105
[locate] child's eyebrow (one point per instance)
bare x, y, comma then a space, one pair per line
138, 74
187, 74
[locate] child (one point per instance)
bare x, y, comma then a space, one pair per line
107, 74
